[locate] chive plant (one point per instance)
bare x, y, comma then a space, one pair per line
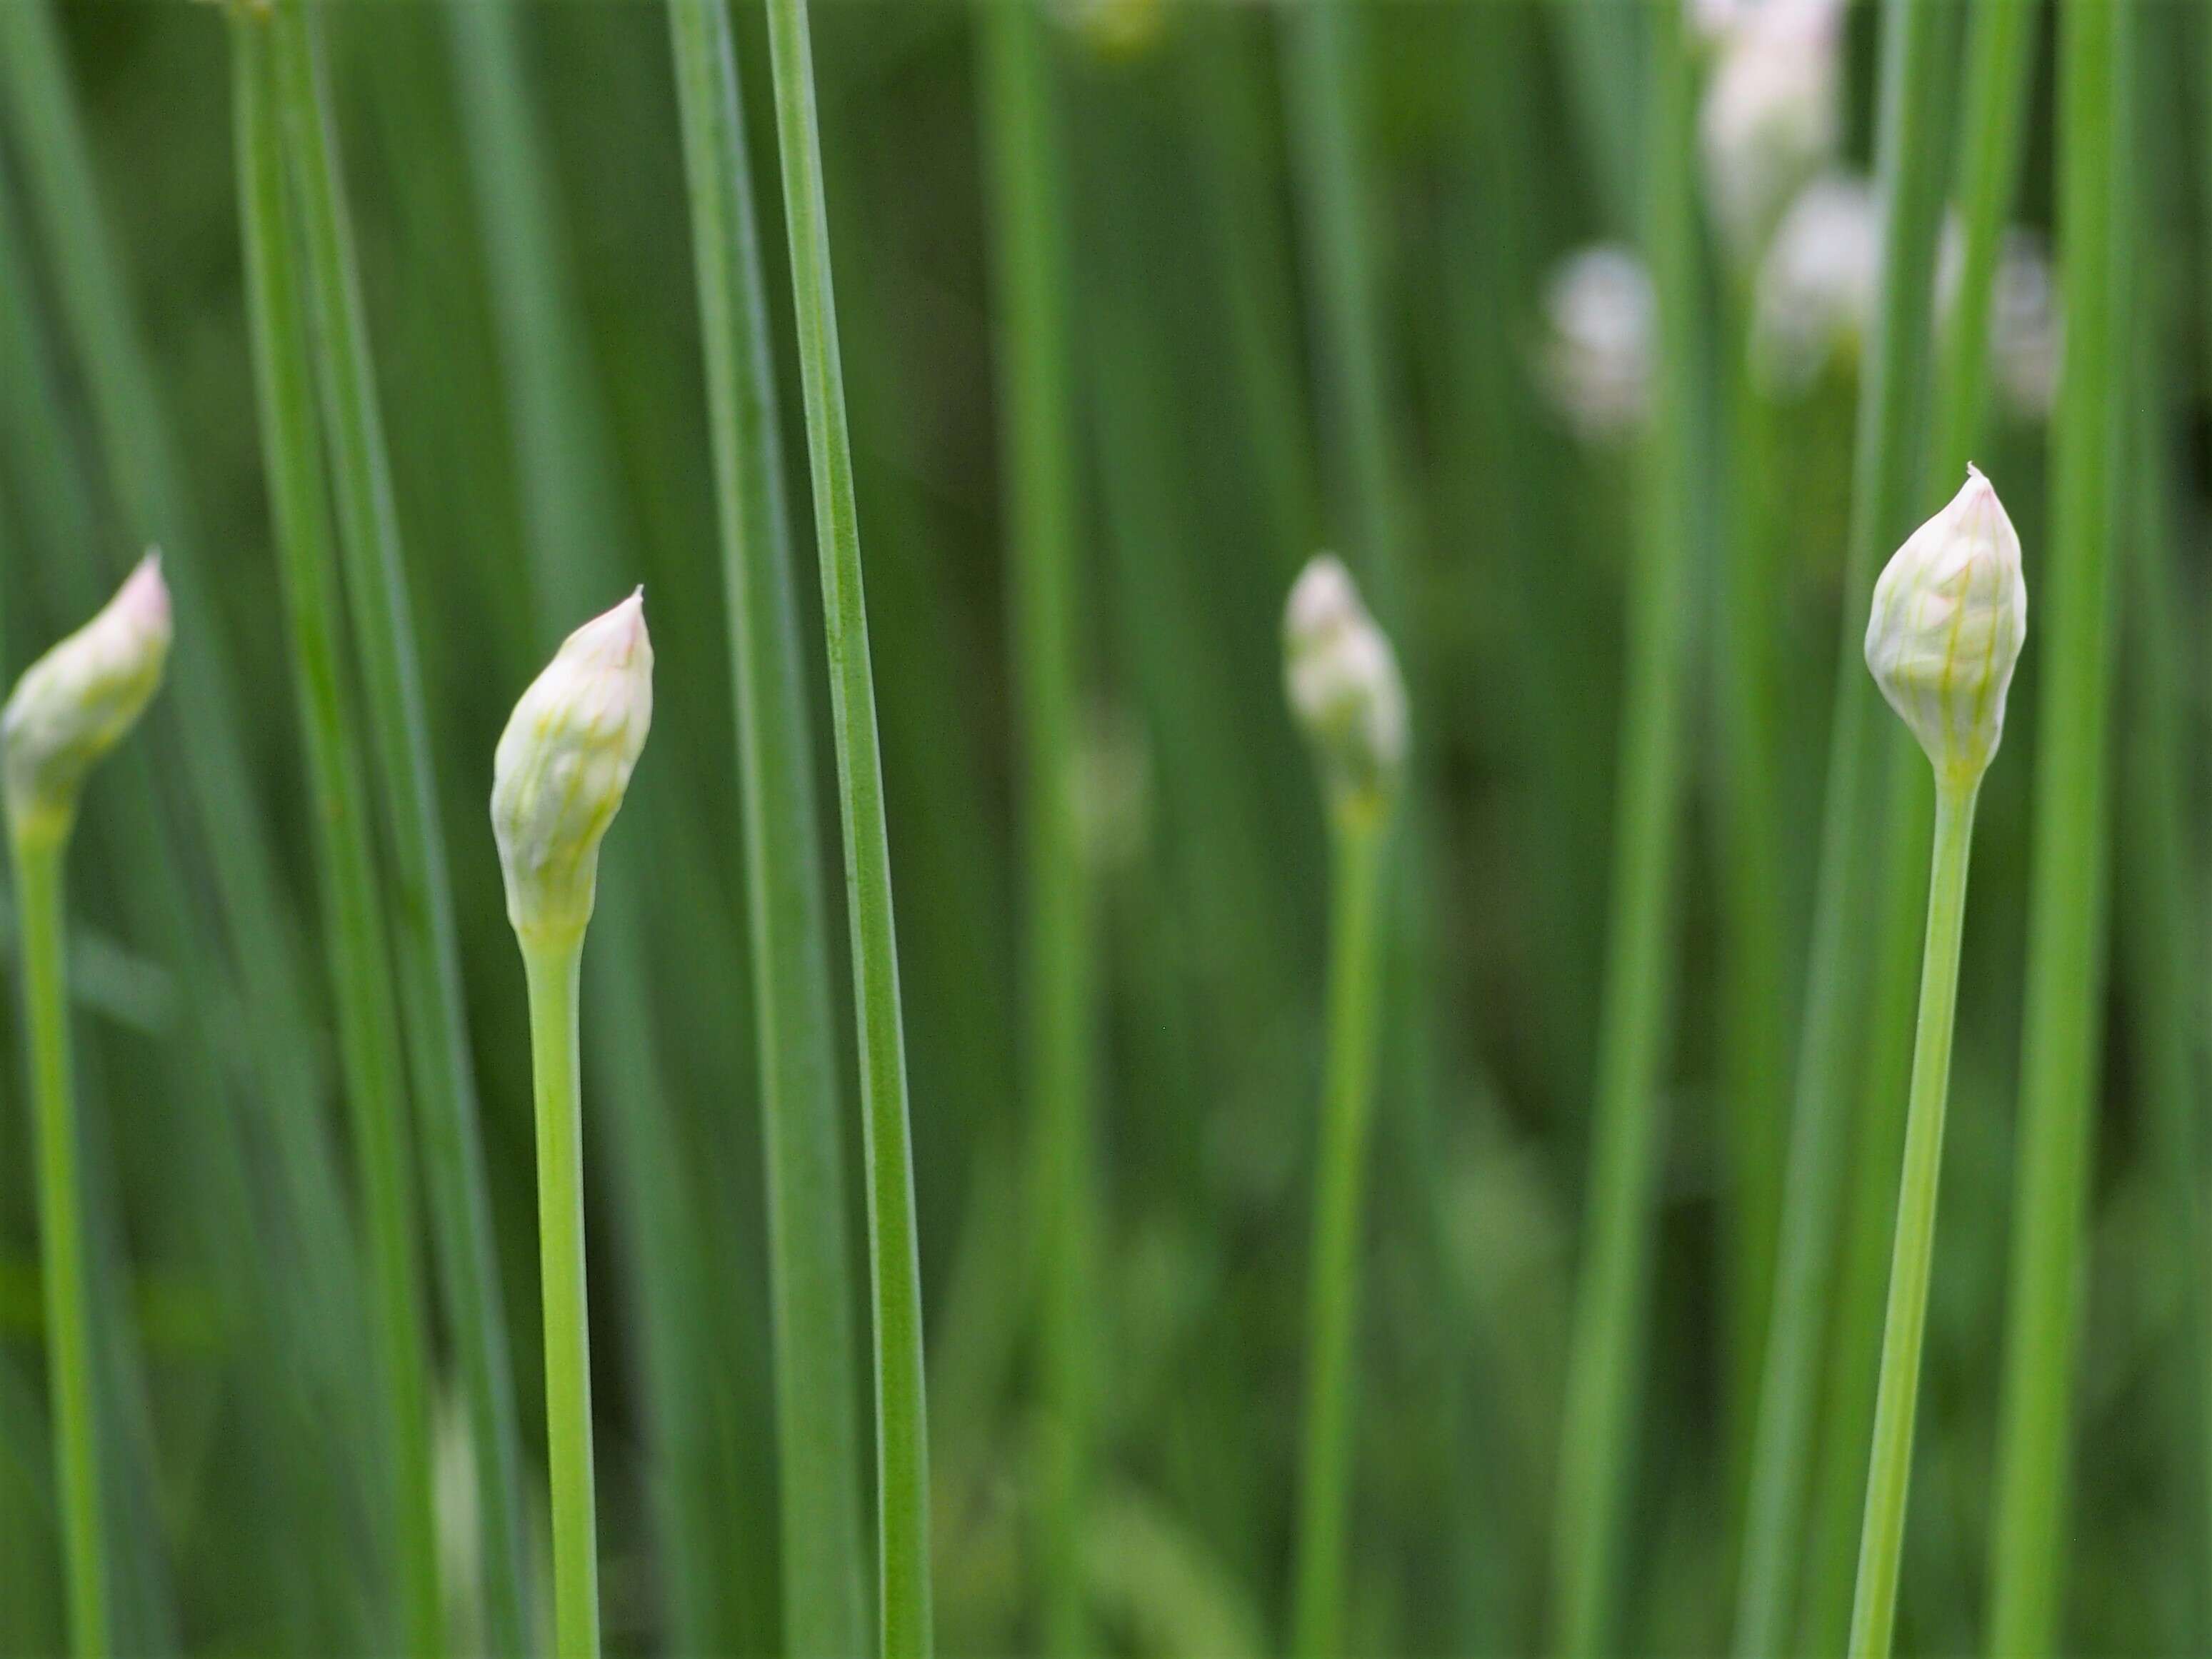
1604, 1364
1945, 629
575, 542
1346, 693
1992, 121
360, 968
1885, 482
428, 952
69, 709
825, 1598
894, 1251
303, 1297
2061, 1023
145, 461
1025, 175
558, 778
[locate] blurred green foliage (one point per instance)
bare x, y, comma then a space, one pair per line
1491, 140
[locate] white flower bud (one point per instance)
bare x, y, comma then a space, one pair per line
1597, 354
1949, 616
563, 765
75, 703
1772, 112
1344, 685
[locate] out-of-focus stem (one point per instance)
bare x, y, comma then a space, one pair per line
1347, 1105
1605, 1366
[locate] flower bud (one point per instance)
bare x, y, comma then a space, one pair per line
1949, 616
75, 703
563, 765
1344, 685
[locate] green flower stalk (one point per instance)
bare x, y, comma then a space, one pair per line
1346, 691
1949, 616
70, 708
557, 780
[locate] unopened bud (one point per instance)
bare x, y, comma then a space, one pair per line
1345, 688
1949, 616
563, 765
75, 703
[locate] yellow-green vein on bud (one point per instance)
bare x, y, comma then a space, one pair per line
78, 701
562, 766
1949, 619
1345, 689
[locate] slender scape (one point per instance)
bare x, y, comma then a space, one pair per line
893, 1251
558, 778
818, 1449
1345, 692
359, 956
69, 708
1945, 629
1886, 478
427, 951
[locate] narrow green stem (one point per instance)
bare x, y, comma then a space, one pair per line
368, 1023
1339, 1183
1037, 410
2066, 897
1890, 1468
38, 849
1885, 490
553, 967
1605, 1366
901, 1422
428, 952
825, 1591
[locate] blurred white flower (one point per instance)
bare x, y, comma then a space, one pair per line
1813, 301
1772, 112
1344, 685
1945, 630
1597, 349
1815, 289
78, 701
563, 765
2027, 329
